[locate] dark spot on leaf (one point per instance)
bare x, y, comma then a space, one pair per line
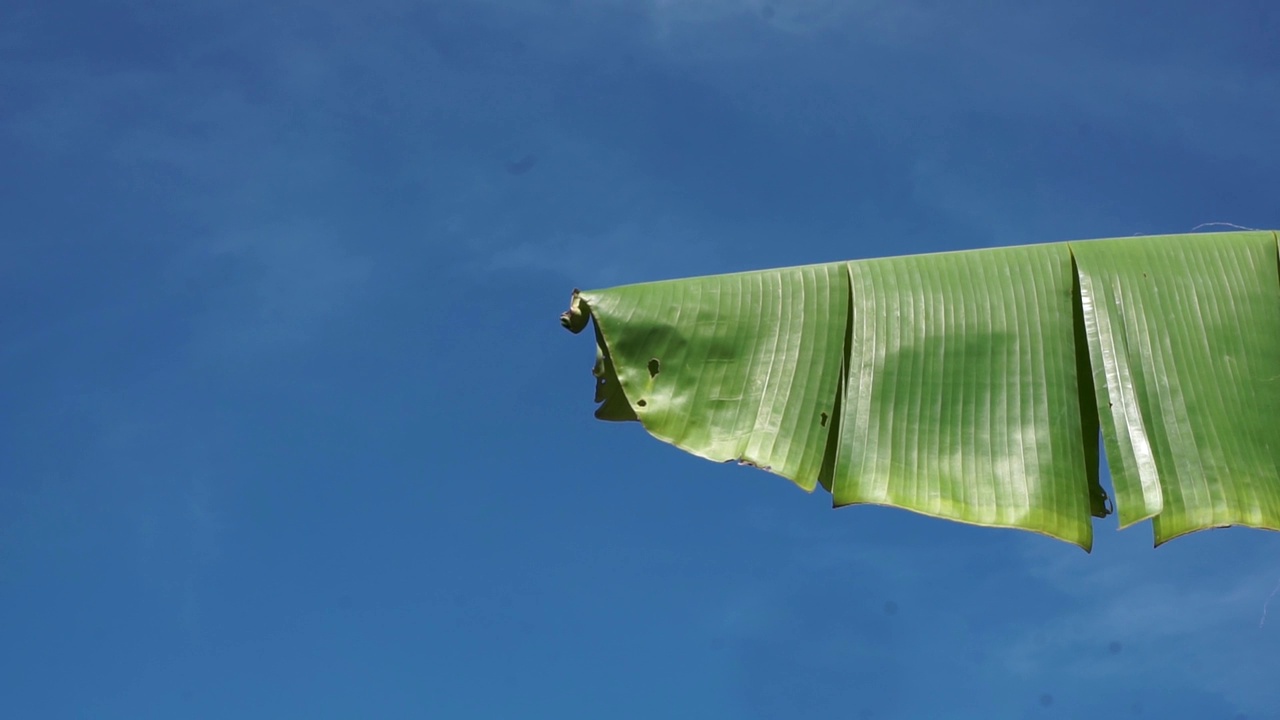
890, 608
655, 367
641, 403
1046, 699
824, 419
523, 165
1115, 647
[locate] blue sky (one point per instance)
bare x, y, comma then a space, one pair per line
290, 428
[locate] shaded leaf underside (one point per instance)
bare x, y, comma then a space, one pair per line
972, 385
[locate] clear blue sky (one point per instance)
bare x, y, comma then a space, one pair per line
289, 429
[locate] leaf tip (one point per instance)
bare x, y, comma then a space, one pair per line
575, 318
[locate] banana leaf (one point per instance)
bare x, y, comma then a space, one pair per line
973, 385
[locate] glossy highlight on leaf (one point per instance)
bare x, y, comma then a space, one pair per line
973, 385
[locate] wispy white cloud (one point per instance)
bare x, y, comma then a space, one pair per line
245, 169
279, 285
928, 77
1186, 613
233, 141
681, 22
1037, 619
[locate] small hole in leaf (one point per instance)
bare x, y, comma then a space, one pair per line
641, 403
824, 419
655, 367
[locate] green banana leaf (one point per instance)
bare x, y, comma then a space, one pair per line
973, 385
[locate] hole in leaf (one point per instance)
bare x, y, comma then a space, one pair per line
655, 367
641, 403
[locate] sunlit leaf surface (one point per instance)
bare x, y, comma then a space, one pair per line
970, 385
